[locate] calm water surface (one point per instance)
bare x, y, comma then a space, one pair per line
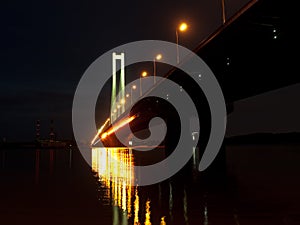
255, 185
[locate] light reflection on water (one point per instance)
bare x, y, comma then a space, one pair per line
261, 186
190, 198
113, 167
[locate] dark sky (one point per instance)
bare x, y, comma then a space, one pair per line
47, 45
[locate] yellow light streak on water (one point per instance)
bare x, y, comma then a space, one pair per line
115, 172
148, 214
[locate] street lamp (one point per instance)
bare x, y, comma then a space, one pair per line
143, 74
157, 58
132, 88
182, 27
223, 12
126, 101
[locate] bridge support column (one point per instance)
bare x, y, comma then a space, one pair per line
115, 110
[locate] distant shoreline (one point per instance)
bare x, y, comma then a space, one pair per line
35, 144
250, 139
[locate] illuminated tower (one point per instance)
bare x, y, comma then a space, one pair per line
117, 105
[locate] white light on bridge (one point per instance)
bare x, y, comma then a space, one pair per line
159, 57
227, 61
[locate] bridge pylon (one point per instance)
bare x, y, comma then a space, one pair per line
117, 105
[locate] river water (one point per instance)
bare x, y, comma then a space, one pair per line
258, 184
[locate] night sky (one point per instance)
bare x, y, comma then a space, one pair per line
47, 45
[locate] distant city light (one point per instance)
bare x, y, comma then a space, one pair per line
134, 87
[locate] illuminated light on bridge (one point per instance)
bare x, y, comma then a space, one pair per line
183, 27
104, 135
99, 131
158, 57
144, 73
123, 101
117, 126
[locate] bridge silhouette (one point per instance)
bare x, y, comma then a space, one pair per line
244, 54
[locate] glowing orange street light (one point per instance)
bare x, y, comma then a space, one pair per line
182, 27
143, 74
132, 88
157, 58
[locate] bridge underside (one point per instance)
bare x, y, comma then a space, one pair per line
247, 58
